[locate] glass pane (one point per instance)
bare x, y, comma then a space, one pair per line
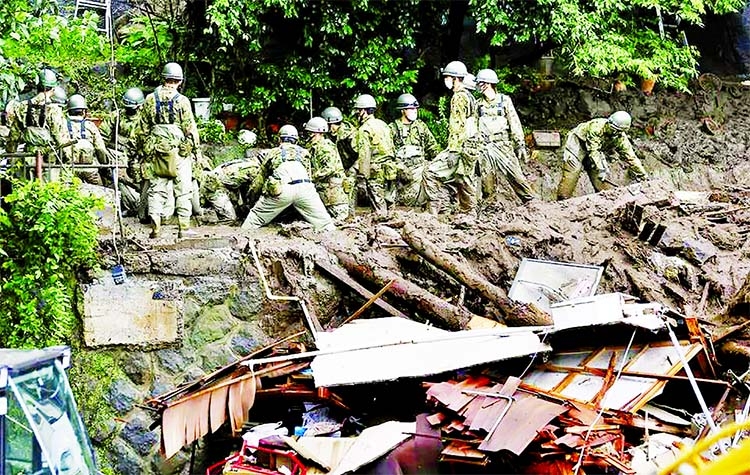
19, 440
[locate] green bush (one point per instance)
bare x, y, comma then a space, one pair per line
47, 235
212, 131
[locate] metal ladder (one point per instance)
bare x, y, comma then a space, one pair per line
99, 6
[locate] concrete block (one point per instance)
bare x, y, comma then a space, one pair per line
136, 313
106, 217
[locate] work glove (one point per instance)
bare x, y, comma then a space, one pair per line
522, 154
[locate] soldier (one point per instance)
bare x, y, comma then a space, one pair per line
224, 186
456, 165
285, 175
502, 136
376, 164
37, 123
167, 127
89, 148
343, 134
415, 146
327, 172
59, 96
119, 133
587, 147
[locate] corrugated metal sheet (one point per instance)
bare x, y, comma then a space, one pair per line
568, 374
384, 349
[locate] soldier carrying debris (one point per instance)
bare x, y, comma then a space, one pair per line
587, 147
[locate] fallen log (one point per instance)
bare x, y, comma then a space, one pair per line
515, 314
430, 305
739, 305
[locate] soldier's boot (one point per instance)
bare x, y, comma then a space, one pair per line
155, 227
184, 230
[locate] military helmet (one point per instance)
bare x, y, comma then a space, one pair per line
317, 124
77, 102
332, 114
247, 137
455, 69
59, 96
288, 132
172, 71
365, 101
620, 120
487, 76
407, 101
133, 98
469, 82
47, 78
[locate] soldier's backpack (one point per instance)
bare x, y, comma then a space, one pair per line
165, 138
492, 120
83, 148
36, 132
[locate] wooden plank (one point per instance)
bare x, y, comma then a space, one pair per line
342, 276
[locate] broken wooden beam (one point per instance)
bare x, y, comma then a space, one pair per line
342, 276
514, 313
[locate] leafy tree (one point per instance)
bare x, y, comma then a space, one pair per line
603, 37
47, 234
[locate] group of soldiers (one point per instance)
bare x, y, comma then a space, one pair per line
154, 152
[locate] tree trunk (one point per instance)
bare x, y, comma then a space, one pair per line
739, 305
431, 306
515, 314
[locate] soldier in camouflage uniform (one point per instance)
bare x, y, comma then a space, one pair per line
327, 172
376, 165
119, 133
168, 130
415, 146
502, 136
285, 175
587, 147
89, 148
456, 165
224, 187
343, 134
37, 122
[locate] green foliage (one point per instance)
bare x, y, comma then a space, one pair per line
34, 34
437, 121
212, 131
47, 235
601, 38
144, 44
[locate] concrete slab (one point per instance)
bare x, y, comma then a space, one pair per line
137, 313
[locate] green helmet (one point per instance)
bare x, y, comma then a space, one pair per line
332, 114
77, 102
487, 76
317, 125
47, 78
59, 96
620, 120
133, 98
455, 69
172, 71
406, 101
365, 101
288, 132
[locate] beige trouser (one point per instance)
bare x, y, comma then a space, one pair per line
442, 171
158, 191
302, 196
575, 159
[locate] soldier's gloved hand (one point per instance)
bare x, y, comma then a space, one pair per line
522, 154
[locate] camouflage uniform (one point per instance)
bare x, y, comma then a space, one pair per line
586, 147
126, 153
376, 161
457, 164
88, 150
415, 146
344, 138
26, 117
501, 133
222, 187
328, 175
285, 175
181, 114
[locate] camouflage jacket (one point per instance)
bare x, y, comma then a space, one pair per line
600, 140
461, 122
20, 118
232, 174
174, 108
498, 120
375, 150
415, 134
325, 161
344, 139
79, 128
126, 129
284, 164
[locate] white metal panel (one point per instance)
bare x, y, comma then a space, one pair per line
546, 380
546, 282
